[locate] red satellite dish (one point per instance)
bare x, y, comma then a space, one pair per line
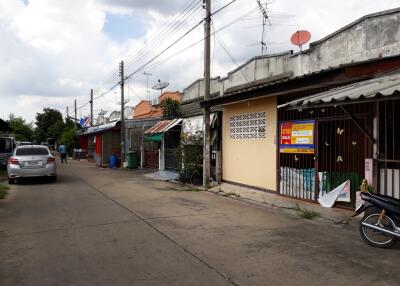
301, 37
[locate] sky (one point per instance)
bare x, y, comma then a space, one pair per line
53, 52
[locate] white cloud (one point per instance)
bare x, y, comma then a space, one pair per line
52, 52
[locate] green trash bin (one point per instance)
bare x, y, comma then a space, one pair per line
132, 160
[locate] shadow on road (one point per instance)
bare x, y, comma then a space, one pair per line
35, 181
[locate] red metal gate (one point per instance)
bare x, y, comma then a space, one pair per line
151, 159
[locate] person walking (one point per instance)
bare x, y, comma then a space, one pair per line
63, 153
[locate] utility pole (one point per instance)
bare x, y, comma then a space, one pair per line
75, 118
91, 107
122, 76
206, 111
147, 82
67, 113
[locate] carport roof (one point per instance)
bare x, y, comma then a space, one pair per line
98, 128
163, 126
381, 86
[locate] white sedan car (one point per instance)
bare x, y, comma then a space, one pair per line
31, 161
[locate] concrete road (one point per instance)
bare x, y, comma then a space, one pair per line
113, 227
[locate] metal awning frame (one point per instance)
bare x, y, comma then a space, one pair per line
343, 103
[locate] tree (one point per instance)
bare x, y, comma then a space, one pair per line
55, 131
4, 126
44, 123
69, 139
22, 131
171, 108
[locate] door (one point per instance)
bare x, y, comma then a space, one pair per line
107, 143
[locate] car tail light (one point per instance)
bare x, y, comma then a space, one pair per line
51, 160
13, 161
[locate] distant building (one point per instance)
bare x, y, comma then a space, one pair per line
128, 113
115, 116
152, 108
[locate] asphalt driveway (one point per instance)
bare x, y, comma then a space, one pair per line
113, 227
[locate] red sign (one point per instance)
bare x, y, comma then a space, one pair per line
286, 133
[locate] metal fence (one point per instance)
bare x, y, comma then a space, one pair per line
389, 147
340, 150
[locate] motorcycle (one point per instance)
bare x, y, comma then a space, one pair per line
380, 225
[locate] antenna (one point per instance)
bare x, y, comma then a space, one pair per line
147, 74
160, 85
265, 19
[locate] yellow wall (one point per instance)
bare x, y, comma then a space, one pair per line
251, 161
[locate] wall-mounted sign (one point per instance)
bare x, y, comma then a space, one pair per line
297, 137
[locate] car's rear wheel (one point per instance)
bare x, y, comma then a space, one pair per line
53, 179
11, 181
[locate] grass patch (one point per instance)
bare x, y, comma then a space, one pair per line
3, 175
306, 214
230, 194
188, 189
3, 191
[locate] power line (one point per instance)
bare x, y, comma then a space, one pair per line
252, 11
180, 38
113, 76
174, 25
169, 47
228, 52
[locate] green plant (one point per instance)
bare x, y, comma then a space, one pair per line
188, 189
3, 191
22, 130
306, 214
69, 139
191, 157
230, 194
171, 108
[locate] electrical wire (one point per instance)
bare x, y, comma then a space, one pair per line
169, 47
228, 52
155, 65
166, 32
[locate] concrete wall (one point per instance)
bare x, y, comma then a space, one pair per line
196, 89
371, 37
250, 161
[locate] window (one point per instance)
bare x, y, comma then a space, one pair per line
32, 151
247, 126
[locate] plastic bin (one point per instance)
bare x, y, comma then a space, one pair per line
132, 160
113, 161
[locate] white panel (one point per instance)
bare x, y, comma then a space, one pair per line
397, 184
389, 182
382, 181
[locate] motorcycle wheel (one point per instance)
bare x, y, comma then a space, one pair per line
376, 238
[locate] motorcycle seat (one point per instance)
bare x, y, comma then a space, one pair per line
387, 199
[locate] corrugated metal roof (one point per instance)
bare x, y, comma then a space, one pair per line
98, 128
163, 126
385, 85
